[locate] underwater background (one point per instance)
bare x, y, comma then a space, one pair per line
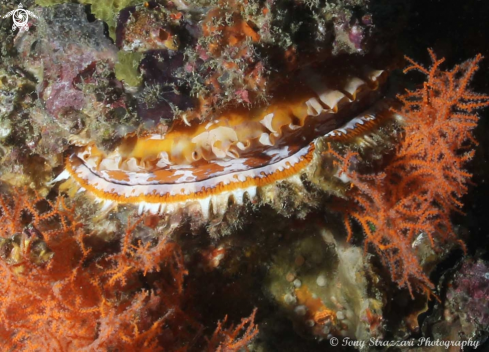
207, 175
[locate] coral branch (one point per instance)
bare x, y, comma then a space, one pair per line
228, 340
424, 182
58, 295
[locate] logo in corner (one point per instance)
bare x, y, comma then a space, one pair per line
21, 18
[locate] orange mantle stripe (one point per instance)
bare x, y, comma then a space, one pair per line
367, 127
204, 193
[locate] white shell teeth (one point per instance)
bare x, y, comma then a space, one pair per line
314, 107
205, 206
295, 179
251, 192
153, 208
164, 160
110, 163
62, 176
265, 139
172, 207
373, 75
131, 165
241, 146
353, 87
267, 122
107, 205
219, 203
238, 196
332, 98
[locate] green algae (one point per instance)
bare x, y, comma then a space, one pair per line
126, 68
106, 10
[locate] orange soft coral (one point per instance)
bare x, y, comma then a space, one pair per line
57, 297
424, 182
233, 339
